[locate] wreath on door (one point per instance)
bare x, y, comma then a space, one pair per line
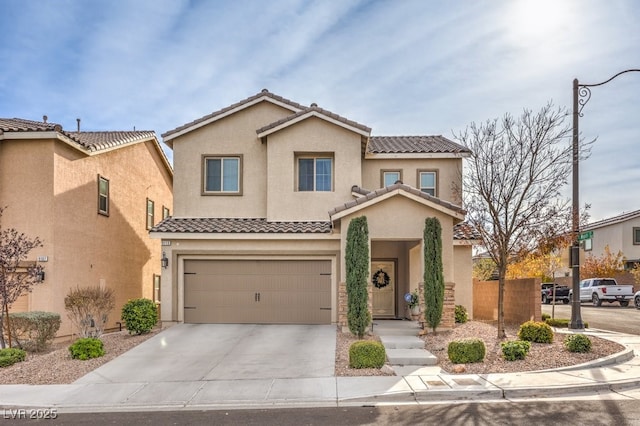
381, 279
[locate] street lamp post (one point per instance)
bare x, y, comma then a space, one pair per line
581, 95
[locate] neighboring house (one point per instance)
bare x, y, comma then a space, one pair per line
264, 191
91, 197
620, 233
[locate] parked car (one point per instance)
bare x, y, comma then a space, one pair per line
636, 299
598, 290
561, 293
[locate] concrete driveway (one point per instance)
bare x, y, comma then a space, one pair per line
202, 352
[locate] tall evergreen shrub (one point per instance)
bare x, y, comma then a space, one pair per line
433, 276
357, 264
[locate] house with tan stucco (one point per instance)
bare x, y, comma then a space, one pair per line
264, 191
91, 197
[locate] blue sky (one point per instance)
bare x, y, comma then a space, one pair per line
401, 67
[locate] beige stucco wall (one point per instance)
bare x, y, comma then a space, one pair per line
231, 135
619, 237
310, 136
57, 200
448, 169
463, 277
242, 246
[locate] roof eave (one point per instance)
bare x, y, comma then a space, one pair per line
170, 135
415, 155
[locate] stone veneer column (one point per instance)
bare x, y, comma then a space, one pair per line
448, 307
343, 305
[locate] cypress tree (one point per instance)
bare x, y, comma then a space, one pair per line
433, 276
357, 265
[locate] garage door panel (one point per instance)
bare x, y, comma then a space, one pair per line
257, 291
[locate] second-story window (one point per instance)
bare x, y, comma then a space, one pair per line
165, 212
103, 196
222, 175
150, 213
427, 182
315, 173
636, 236
389, 177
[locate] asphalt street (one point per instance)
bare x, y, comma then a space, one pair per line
581, 412
610, 317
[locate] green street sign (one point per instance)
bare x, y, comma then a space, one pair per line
585, 235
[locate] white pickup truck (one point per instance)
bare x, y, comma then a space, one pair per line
597, 290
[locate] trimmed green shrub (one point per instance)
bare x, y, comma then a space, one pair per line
461, 314
577, 343
86, 348
433, 275
535, 331
545, 317
515, 349
34, 331
139, 315
10, 356
367, 354
466, 351
357, 264
562, 322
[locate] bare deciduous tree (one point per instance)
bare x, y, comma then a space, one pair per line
513, 184
16, 276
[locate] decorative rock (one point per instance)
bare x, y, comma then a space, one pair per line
459, 368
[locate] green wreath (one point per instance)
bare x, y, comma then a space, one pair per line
381, 279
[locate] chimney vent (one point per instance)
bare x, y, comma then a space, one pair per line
78, 121
45, 118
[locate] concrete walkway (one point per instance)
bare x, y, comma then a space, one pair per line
613, 377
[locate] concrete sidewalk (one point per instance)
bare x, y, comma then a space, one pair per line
613, 377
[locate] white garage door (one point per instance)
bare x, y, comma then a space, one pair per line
257, 291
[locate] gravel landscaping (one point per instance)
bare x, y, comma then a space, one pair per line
57, 367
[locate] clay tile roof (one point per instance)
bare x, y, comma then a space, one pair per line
465, 231
92, 141
315, 108
379, 192
22, 125
263, 93
239, 225
414, 144
96, 141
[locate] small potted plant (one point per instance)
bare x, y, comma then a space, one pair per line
413, 303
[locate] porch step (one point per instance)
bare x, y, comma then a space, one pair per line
396, 328
401, 342
411, 357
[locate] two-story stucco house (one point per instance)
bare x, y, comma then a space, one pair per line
264, 191
620, 233
91, 197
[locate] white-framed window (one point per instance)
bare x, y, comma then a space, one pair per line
150, 213
315, 173
103, 196
389, 177
165, 212
636, 236
427, 182
222, 175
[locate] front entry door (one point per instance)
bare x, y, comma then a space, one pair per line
383, 279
